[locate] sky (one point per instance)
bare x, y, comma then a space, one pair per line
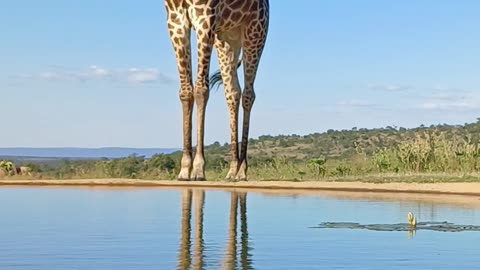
102, 73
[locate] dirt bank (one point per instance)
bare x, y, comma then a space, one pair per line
471, 189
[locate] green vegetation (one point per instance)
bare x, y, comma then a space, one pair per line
7, 168
134, 167
435, 153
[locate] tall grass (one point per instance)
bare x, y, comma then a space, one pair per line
430, 151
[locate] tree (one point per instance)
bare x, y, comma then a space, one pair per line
318, 166
162, 162
8, 167
129, 167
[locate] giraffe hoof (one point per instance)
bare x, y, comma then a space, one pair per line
184, 175
242, 172
183, 179
230, 179
232, 172
198, 175
241, 179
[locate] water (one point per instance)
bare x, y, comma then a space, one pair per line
63, 228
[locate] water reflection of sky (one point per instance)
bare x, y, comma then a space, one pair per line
45, 228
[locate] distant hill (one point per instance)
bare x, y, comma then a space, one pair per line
82, 153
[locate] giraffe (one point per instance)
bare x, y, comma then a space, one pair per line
233, 27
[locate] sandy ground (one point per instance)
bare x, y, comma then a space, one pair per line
472, 189
464, 195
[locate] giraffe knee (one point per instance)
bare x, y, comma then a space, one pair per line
201, 90
233, 98
186, 94
201, 94
248, 98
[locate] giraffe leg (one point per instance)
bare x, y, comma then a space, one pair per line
186, 163
228, 53
185, 257
253, 44
231, 250
201, 93
180, 36
199, 202
245, 261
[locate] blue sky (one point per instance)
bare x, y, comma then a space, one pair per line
102, 73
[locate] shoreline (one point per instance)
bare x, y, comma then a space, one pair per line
457, 188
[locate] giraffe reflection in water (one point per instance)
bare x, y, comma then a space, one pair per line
233, 259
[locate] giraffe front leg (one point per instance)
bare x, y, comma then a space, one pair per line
201, 92
233, 100
187, 105
186, 168
232, 94
179, 30
201, 98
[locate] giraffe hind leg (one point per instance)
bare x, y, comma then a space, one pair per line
228, 54
253, 44
201, 93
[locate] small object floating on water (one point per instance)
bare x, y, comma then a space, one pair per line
410, 218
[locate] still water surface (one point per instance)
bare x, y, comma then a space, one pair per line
63, 228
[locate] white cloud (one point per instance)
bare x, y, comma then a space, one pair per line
100, 72
357, 103
147, 75
436, 98
453, 100
97, 73
50, 76
389, 87
449, 106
